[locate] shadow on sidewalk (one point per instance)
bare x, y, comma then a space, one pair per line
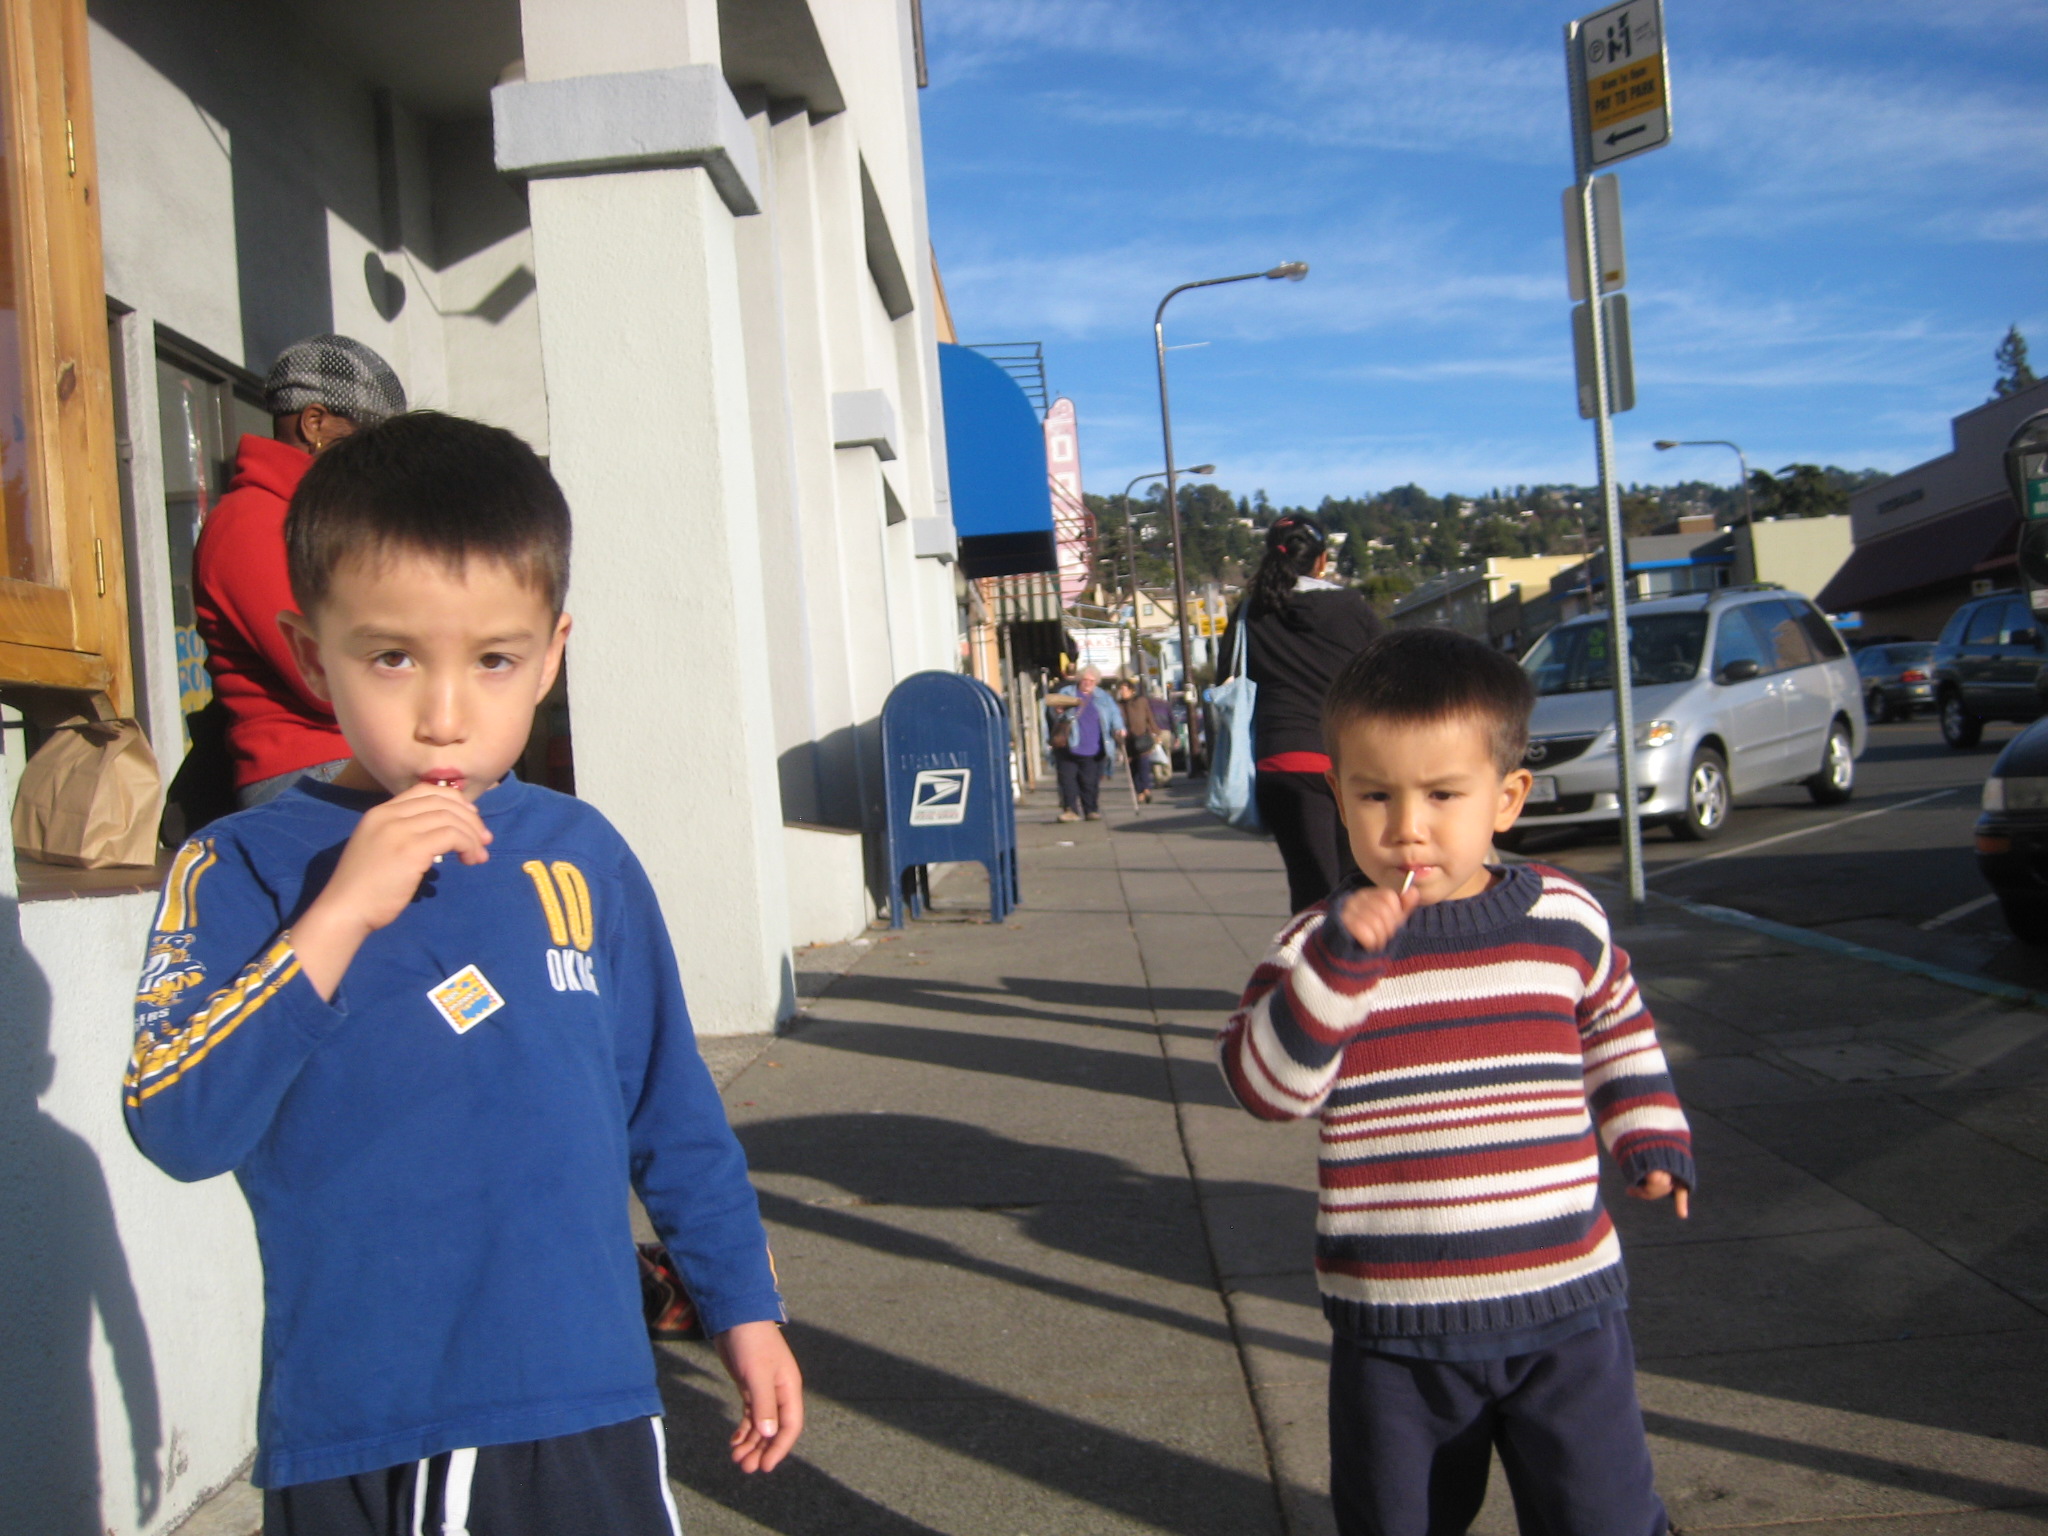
1085, 1204
974, 1000
1138, 1479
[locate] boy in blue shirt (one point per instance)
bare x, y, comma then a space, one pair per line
429, 1017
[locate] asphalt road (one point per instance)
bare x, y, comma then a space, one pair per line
1893, 868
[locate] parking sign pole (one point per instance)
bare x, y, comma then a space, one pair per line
1610, 496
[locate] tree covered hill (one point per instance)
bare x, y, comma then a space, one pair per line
1396, 538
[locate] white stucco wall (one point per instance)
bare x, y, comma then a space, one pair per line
130, 1337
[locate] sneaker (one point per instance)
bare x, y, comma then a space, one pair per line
1095, 815
1069, 816
666, 1305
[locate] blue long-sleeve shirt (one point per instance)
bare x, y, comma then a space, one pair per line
438, 1159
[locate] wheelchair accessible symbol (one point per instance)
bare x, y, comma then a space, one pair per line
938, 797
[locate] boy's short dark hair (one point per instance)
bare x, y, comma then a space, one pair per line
1421, 676
429, 484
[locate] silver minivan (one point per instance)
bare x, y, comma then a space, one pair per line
1735, 690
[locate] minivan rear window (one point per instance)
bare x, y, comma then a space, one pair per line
1663, 648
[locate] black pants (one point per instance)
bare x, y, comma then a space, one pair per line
1301, 813
1140, 750
1411, 1440
1080, 780
602, 1482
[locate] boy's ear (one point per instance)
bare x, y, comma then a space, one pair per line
552, 668
1336, 792
1514, 793
298, 635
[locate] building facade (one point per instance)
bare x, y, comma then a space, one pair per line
1931, 536
679, 246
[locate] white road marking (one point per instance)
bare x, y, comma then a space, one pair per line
1786, 837
1955, 912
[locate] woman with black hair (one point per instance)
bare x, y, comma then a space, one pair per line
1302, 631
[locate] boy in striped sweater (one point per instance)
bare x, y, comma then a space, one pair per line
1462, 1029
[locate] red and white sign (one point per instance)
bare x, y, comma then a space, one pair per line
1073, 529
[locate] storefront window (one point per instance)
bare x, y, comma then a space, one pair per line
202, 412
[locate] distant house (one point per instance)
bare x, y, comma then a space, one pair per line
1485, 601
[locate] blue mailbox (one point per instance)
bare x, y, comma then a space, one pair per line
946, 784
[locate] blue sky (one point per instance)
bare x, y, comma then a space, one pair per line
1852, 210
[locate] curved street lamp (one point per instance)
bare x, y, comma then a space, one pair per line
1665, 445
1290, 271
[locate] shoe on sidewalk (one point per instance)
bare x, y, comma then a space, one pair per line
1070, 816
1095, 815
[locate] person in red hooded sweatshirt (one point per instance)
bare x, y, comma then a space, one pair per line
319, 391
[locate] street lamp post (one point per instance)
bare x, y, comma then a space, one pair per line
1292, 271
1131, 545
1665, 445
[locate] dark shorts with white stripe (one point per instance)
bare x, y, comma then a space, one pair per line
602, 1482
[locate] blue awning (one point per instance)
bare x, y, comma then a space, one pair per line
995, 453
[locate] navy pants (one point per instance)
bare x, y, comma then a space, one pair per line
1411, 1441
601, 1482
1141, 764
1080, 780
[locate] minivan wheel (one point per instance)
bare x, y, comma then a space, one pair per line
1877, 709
1836, 780
1706, 798
1959, 728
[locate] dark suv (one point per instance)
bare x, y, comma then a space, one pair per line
1988, 666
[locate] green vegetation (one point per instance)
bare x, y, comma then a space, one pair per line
1395, 539
2013, 373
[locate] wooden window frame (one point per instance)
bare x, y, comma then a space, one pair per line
70, 633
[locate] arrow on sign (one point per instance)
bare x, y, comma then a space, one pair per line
1627, 133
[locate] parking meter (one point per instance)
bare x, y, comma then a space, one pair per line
2026, 469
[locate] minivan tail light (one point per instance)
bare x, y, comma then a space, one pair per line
1912, 675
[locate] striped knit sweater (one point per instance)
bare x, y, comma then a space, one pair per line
1458, 1076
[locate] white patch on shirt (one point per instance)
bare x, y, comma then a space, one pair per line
465, 999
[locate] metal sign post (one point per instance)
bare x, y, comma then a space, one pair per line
1620, 104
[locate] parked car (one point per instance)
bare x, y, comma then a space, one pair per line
1897, 679
1735, 690
2012, 833
1988, 666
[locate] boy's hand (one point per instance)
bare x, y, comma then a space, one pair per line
757, 1358
1656, 1185
392, 849
1374, 915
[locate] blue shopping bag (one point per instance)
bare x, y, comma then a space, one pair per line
1231, 756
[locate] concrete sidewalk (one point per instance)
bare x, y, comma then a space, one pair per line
1046, 1279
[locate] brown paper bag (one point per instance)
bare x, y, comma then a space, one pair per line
90, 797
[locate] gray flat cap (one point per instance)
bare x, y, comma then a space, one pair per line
338, 372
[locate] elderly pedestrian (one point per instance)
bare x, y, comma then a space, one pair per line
318, 392
1082, 741
1303, 629
1140, 727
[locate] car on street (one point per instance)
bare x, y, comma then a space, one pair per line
1898, 679
1988, 665
1736, 690
2012, 833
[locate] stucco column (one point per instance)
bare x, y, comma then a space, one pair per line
638, 163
